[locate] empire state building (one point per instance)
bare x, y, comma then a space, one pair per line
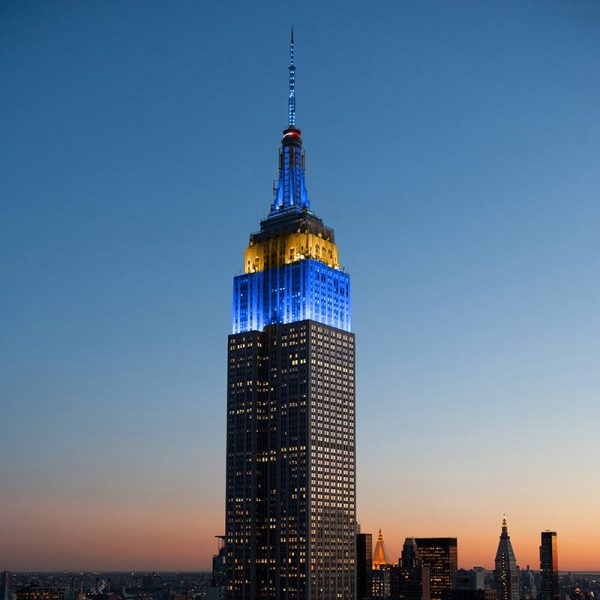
290, 491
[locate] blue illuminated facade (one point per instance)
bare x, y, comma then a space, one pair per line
291, 188
307, 289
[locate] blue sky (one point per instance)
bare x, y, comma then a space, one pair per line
453, 147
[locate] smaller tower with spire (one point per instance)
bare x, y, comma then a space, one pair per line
381, 570
379, 554
506, 572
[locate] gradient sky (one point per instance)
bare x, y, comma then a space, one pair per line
453, 146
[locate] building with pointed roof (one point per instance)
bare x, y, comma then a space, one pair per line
506, 572
381, 570
379, 554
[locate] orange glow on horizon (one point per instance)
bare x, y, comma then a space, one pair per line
182, 538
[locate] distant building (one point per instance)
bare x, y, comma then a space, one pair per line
5, 585
528, 586
38, 592
410, 578
473, 579
364, 566
219, 571
549, 588
382, 582
217, 588
381, 571
441, 555
148, 581
506, 572
215, 593
468, 594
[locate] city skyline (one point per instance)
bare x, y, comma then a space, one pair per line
458, 161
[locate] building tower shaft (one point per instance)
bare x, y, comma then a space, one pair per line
549, 584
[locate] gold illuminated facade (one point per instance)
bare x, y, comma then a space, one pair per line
289, 248
379, 554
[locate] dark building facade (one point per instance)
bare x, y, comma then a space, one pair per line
506, 571
468, 594
217, 588
364, 566
470, 585
549, 586
472, 579
5, 585
441, 555
290, 481
528, 585
410, 578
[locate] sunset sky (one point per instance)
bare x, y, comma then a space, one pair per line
453, 146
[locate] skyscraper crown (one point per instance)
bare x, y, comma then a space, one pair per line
291, 266
379, 554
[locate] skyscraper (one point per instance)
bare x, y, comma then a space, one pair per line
506, 572
441, 555
549, 589
290, 481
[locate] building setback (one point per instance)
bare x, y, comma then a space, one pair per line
290, 481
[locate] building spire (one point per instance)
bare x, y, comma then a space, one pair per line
292, 81
379, 554
506, 572
290, 192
